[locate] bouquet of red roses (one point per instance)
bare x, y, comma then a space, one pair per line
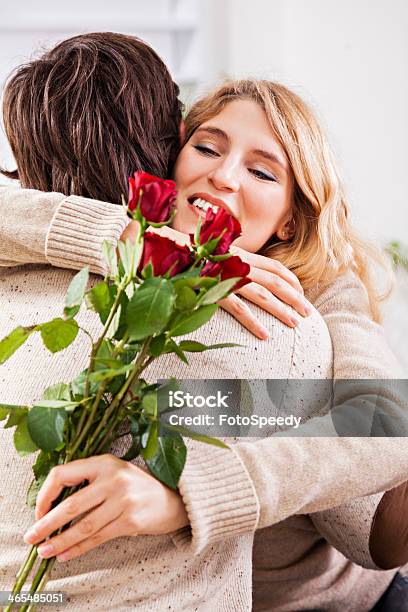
155, 292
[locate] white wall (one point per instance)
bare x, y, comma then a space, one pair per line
171, 26
350, 60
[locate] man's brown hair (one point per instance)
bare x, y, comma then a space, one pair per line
87, 114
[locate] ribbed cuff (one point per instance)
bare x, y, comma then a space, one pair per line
219, 496
78, 229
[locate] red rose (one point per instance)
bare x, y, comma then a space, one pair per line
164, 254
158, 196
219, 224
228, 268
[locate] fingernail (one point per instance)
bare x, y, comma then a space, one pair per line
263, 332
295, 321
63, 557
30, 536
307, 309
46, 551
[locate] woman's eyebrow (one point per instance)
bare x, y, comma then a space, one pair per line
271, 157
214, 131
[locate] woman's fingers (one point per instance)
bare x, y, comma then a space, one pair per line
130, 232
268, 302
63, 476
266, 287
121, 499
108, 532
65, 512
242, 313
269, 265
85, 530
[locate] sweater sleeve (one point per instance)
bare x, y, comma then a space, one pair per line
25, 218
357, 528
311, 474
67, 232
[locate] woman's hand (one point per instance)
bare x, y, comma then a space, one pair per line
120, 500
273, 286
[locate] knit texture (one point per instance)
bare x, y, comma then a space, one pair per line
226, 492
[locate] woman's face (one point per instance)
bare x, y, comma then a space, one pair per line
235, 162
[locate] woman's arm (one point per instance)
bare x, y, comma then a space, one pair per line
67, 232
305, 475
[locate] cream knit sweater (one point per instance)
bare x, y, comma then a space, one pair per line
223, 491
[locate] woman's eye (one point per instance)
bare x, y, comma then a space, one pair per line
262, 175
206, 150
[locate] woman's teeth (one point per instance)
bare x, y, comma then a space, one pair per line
199, 203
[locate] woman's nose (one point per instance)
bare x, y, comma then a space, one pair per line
225, 177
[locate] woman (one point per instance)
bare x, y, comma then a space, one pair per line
265, 169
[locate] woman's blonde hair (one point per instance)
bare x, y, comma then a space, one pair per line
324, 244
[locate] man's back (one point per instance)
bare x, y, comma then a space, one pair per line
141, 572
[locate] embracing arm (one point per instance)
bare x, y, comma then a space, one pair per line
64, 231
304, 475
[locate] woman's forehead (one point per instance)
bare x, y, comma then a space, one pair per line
246, 122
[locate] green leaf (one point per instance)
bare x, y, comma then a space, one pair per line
78, 385
110, 256
119, 323
150, 308
173, 347
195, 282
110, 373
13, 341
22, 439
76, 292
184, 431
100, 299
6, 409
103, 364
148, 271
58, 334
169, 460
150, 441
44, 463
192, 346
130, 254
186, 298
220, 291
149, 403
59, 391
16, 414
184, 324
66, 404
33, 491
46, 426
156, 347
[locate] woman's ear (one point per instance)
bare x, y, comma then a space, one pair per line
182, 132
287, 230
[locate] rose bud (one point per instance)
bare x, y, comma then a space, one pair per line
220, 225
164, 255
228, 268
158, 197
